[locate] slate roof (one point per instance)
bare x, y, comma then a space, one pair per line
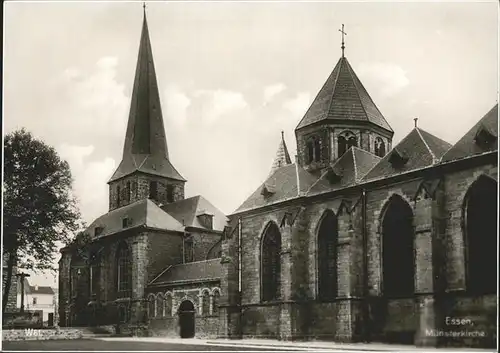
207, 270
145, 147
351, 167
41, 290
186, 212
420, 147
343, 97
141, 213
466, 146
283, 183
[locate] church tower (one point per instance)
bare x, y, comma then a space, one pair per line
342, 115
145, 170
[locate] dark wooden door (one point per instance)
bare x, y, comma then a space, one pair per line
186, 319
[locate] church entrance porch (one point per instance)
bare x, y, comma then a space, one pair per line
186, 319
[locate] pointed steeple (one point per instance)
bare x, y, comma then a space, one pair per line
282, 156
343, 98
145, 147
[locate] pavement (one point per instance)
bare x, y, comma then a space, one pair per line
195, 344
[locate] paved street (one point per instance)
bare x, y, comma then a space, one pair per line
102, 345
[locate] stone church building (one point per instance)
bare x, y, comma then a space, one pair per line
354, 240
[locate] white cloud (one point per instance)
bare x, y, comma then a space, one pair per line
388, 78
176, 104
298, 105
220, 103
272, 91
90, 179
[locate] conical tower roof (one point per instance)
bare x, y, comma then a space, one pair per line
343, 98
145, 147
282, 156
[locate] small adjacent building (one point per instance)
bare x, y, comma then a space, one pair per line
38, 298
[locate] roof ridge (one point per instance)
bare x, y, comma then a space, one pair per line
317, 94
351, 72
354, 163
369, 96
342, 59
434, 158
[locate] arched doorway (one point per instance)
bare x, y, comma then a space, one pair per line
186, 319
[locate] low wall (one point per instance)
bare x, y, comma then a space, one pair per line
40, 334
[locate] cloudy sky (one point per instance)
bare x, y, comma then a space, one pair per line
232, 76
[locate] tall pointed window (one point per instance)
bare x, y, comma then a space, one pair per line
118, 195
215, 301
379, 147
205, 300
170, 193
160, 305
188, 250
124, 271
151, 305
271, 263
309, 152
327, 257
153, 190
480, 229
168, 304
317, 150
398, 266
127, 192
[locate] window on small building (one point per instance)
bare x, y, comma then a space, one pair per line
327, 257
309, 151
153, 190
271, 263
379, 147
126, 222
188, 250
170, 193
124, 270
206, 220
34, 300
98, 231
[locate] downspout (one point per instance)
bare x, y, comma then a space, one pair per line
366, 316
297, 174
240, 326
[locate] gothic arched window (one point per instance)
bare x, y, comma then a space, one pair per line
118, 195
124, 271
76, 267
168, 305
480, 232
151, 305
310, 151
398, 265
215, 303
271, 263
160, 305
127, 192
205, 303
317, 150
95, 275
327, 257
346, 140
379, 147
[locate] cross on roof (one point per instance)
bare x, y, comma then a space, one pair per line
343, 33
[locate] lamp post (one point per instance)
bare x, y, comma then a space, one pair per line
22, 276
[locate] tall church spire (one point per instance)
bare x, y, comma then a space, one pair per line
145, 148
282, 156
